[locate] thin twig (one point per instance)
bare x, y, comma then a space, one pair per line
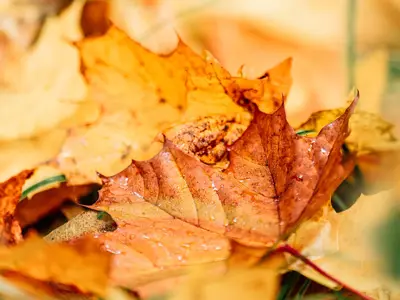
288, 249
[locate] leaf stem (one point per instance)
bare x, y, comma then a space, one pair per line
47, 181
290, 250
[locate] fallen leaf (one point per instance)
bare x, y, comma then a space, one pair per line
173, 210
32, 84
89, 222
342, 244
39, 75
18, 155
16, 286
10, 193
271, 169
81, 265
142, 93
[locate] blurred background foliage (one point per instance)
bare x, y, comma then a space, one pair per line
335, 44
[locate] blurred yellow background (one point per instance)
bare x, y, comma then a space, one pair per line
335, 44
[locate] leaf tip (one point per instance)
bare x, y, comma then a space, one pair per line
104, 179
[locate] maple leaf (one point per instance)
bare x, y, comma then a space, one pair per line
278, 176
10, 193
177, 86
173, 210
124, 78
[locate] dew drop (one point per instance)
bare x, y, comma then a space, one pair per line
114, 251
298, 177
123, 181
179, 257
213, 186
185, 245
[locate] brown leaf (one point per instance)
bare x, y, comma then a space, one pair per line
173, 210
10, 193
279, 177
81, 265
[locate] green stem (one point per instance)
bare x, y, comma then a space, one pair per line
305, 132
47, 181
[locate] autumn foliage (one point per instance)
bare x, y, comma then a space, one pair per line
199, 171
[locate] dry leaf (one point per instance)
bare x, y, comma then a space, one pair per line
342, 244
142, 93
279, 176
40, 75
16, 156
18, 287
173, 210
10, 193
36, 82
81, 265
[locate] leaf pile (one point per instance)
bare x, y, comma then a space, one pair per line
205, 181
